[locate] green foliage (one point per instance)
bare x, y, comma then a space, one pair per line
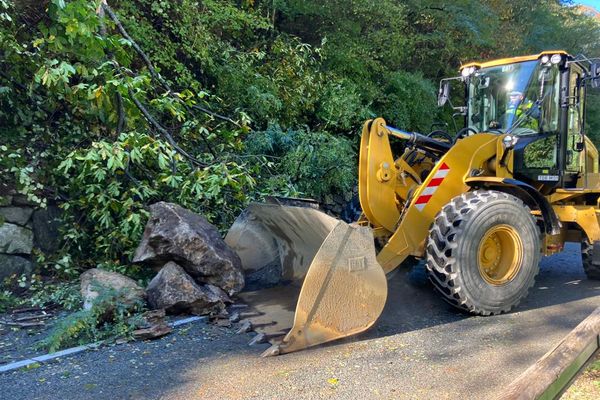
65, 295
38, 291
108, 318
112, 182
8, 301
303, 162
409, 99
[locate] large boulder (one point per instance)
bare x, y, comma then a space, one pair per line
16, 215
176, 234
95, 281
173, 290
13, 265
46, 229
15, 239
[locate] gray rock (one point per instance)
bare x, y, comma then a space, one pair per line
46, 225
13, 265
176, 234
22, 200
153, 326
219, 293
176, 292
15, 239
16, 215
94, 281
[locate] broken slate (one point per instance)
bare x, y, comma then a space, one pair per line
153, 326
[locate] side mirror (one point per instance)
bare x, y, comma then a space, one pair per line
443, 93
595, 74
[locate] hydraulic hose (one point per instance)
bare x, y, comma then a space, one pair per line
422, 141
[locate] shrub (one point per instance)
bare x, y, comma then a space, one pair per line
108, 318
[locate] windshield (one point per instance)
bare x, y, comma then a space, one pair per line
520, 98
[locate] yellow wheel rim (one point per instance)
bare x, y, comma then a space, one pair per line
500, 254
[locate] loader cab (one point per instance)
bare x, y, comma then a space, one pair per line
539, 102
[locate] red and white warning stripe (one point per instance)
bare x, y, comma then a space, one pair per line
432, 186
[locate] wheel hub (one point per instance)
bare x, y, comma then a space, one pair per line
500, 254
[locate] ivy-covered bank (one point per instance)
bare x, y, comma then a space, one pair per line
109, 106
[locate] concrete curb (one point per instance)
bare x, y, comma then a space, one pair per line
74, 350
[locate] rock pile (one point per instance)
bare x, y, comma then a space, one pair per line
176, 234
196, 271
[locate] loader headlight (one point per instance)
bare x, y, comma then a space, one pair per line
509, 141
467, 71
556, 58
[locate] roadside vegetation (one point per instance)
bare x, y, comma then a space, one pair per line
107, 107
587, 385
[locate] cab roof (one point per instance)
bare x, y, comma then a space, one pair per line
511, 60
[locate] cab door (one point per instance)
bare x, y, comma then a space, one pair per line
575, 149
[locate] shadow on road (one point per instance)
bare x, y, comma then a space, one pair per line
413, 304
419, 332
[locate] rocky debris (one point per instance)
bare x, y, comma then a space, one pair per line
258, 339
15, 239
245, 327
13, 265
153, 326
16, 215
176, 234
223, 322
235, 317
175, 291
94, 281
46, 227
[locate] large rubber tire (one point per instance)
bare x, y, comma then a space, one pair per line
453, 251
587, 250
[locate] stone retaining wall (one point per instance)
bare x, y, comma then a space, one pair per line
23, 227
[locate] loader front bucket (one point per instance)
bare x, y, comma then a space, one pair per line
343, 287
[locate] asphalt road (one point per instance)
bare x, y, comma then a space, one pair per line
420, 349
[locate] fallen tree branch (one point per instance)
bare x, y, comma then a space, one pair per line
163, 131
136, 47
154, 73
33, 317
105, 8
22, 324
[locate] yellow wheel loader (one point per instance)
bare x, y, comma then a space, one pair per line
480, 207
